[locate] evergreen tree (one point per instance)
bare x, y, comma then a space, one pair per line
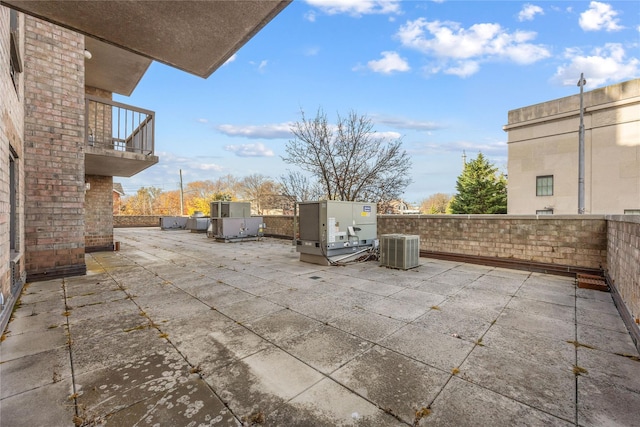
481, 189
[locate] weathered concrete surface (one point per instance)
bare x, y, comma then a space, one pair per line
178, 330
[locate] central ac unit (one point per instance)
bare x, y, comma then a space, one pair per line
399, 251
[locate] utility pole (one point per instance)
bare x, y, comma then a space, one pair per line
181, 195
581, 84
464, 158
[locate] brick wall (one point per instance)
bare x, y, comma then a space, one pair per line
98, 225
122, 221
623, 259
11, 145
571, 240
567, 240
278, 225
54, 157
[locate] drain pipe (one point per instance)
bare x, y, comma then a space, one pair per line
581, 84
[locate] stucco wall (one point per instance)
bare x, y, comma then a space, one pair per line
623, 259
543, 140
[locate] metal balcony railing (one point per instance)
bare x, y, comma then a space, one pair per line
120, 127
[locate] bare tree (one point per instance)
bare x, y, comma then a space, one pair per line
349, 161
297, 187
262, 191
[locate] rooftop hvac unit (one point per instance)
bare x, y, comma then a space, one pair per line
221, 209
399, 251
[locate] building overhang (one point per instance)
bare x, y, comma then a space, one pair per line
105, 162
194, 36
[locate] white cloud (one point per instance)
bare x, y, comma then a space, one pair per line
389, 63
250, 150
599, 16
357, 7
466, 48
603, 65
388, 136
529, 11
272, 131
231, 59
495, 149
310, 16
202, 120
402, 123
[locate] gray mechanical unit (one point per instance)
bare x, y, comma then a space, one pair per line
173, 222
197, 222
220, 209
400, 251
330, 228
232, 222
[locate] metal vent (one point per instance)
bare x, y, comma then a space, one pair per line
399, 251
16, 280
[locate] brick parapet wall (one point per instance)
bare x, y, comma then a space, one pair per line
98, 231
568, 240
54, 157
278, 225
623, 259
124, 221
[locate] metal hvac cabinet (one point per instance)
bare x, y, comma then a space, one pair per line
330, 227
232, 222
399, 251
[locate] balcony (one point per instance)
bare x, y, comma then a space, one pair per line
119, 138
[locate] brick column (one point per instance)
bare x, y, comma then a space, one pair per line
54, 156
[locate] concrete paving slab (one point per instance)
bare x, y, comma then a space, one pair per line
37, 323
449, 322
593, 294
357, 297
36, 293
30, 343
107, 324
563, 293
483, 304
400, 385
282, 326
543, 387
440, 288
249, 309
537, 348
456, 277
604, 404
606, 339
615, 369
55, 305
48, 405
465, 404
537, 324
37, 370
542, 308
419, 297
182, 306
324, 309
328, 404
112, 309
367, 325
433, 348
378, 288
326, 348
262, 382
397, 309
120, 348
505, 285
600, 319
190, 403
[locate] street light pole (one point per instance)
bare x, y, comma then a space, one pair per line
581, 84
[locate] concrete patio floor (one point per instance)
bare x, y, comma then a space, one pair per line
179, 330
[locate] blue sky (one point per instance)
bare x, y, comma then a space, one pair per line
441, 75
